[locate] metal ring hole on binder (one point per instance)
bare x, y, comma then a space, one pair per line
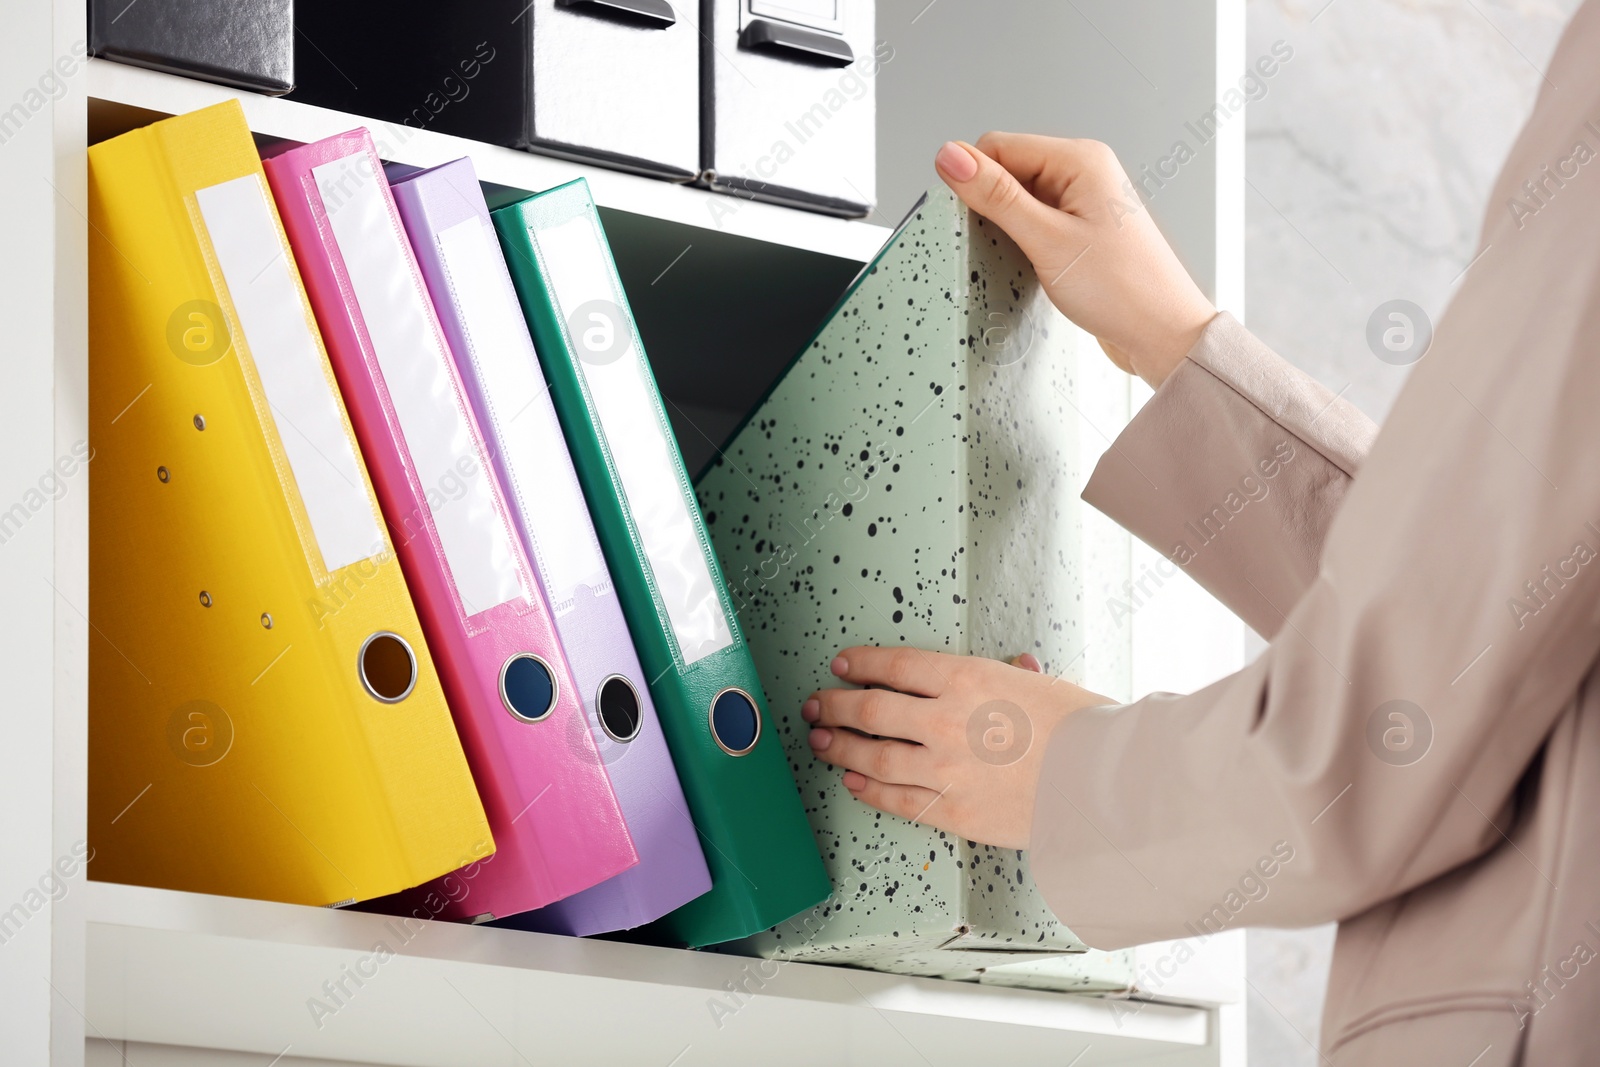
528, 687
199, 422
205, 599
266, 620
387, 666
617, 704
735, 721
163, 475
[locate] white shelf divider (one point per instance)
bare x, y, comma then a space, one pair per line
685, 204
215, 972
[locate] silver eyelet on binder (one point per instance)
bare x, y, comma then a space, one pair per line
618, 708
163, 475
740, 716
205, 599
387, 667
199, 422
266, 620
528, 687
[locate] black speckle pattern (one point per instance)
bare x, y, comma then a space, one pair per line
913, 479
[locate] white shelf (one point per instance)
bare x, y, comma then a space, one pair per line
216, 972
274, 117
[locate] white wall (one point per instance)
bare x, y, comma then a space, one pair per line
1089, 68
1371, 160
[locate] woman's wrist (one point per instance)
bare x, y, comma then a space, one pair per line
1155, 360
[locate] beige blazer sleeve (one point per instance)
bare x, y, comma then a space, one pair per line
1234, 470
1428, 620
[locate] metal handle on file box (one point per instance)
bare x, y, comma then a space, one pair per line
653, 14
792, 42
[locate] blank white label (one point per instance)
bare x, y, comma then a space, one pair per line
519, 416
275, 322
575, 258
821, 13
458, 490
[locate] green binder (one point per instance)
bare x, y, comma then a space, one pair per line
913, 479
763, 857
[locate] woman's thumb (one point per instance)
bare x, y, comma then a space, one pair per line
994, 192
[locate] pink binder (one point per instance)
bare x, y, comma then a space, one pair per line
557, 826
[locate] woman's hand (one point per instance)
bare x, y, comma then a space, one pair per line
957, 741
1078, 218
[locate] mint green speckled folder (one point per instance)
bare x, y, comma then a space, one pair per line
913, 478
1087, 972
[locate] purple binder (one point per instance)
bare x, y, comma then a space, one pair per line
448, 223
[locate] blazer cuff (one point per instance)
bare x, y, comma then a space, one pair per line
1284, 393
1234, 471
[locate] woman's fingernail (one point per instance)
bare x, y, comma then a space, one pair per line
839, 666
855, 781
1028, 662
821, 739
956, 162
811, 710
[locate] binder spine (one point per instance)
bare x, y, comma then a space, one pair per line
556, 821
227, 496
764, 862
448, 223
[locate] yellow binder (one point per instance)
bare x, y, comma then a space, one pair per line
264, 719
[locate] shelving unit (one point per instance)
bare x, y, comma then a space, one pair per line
724, 292
121, 92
